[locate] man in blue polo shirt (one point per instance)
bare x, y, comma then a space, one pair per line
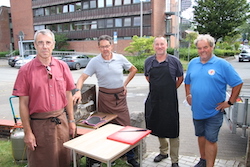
206, 81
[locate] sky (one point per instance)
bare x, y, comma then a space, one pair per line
5, 3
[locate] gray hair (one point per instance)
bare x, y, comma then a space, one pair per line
205, 37
44, 32
105, 37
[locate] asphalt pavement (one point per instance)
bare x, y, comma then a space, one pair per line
231, 147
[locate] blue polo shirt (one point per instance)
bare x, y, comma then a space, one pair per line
208, 83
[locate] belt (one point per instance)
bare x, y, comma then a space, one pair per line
52, 119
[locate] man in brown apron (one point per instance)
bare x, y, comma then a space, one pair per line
108, 68
44, 88
165, 74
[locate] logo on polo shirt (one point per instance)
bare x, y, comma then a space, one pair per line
211, 72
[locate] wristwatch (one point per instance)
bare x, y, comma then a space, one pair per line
72, 121
76, 90
229, 102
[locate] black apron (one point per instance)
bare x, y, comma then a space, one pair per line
161, 107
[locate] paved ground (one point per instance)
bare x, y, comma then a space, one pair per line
231, 147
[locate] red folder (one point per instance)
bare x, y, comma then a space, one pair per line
129, 135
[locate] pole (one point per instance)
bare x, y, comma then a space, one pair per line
141, 25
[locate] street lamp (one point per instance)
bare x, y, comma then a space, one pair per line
141, 25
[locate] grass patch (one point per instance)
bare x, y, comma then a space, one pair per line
6, 158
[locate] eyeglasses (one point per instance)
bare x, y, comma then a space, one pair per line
104, 47
49, 72
42, 44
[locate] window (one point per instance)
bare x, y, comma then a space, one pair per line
109, 23
66, 27
118, 2
78, 6
127, 22
92, 4
39, 12
85, 5
72, 27
59, 28
136, 1
53, 28
137, 21
101, 23
93, 25
86, 25
59, 9
109, 3
53, 10
71, 8
39, 27
65, 8
46, 11
118, 22
100, 3
127, 2
78, 26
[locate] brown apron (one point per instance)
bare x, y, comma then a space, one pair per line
113, 101
50, 136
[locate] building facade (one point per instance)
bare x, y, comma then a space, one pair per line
5, 29
83, 21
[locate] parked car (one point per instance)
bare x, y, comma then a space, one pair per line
76, 61
244, 55
21, 62
13, 59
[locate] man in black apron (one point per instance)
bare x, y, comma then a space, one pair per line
164, 73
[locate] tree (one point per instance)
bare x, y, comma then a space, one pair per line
61, 41
220, 18
141, 46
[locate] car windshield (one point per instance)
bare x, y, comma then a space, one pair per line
246, 51
29, 57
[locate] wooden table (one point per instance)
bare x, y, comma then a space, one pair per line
95, 145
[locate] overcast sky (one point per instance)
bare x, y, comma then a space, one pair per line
4, 2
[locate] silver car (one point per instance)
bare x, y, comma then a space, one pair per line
76, 61
244, 55
21, 62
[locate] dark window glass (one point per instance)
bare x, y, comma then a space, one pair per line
59, 9
109, 23
137, 21
53, 10
101, 23
127, 22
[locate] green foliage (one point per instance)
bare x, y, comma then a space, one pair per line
61, 41
190, 38
140, 46
220, 18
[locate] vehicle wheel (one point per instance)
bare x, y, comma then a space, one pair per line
78, 66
